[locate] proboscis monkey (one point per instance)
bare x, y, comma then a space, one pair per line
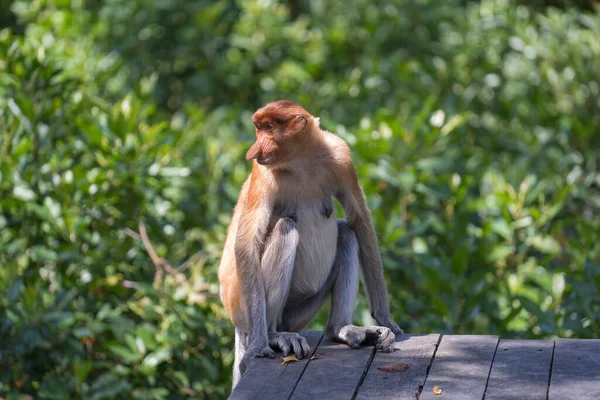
285, 253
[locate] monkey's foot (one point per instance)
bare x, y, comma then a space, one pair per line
354, 336
289, 342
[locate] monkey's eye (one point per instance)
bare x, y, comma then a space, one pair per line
269, 127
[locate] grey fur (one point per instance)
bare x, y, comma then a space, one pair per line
368, 257
345, 287
254, 287
342, 284
277, 265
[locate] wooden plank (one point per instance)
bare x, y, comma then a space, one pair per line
336, 374
461, 367
414, 350
520, 370
575, 369
268, 379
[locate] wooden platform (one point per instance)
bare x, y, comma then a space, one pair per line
463, 366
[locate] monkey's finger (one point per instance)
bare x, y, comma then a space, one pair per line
285, 349
296, 346
305, 347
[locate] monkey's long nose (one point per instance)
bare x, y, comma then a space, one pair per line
254, 151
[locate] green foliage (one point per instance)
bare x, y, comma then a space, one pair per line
474, 128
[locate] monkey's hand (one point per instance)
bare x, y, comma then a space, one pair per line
255, 351
289, 342
386, 320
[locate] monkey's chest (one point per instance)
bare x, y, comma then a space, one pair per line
315, 252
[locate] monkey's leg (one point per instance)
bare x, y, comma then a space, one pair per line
277, 266
240, 350
343, 298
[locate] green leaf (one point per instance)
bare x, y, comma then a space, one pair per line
108, 386
42, 254
545, 244
157, 357
148, 335
125, 353
499, 252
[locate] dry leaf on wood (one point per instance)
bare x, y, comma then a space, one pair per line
315, 356
288, 359
437, 390
394, 368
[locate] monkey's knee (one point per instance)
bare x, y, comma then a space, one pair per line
284, 237
286, 225
280, 251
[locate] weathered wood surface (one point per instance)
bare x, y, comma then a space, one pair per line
327, 377
268, 379
520, 370
416, 351
462, 366
575, 370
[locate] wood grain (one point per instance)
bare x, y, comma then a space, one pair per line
416, 351
268, 379
575, 370
336, 374
461, 367
520, 370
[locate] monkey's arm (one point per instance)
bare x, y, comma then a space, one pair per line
247, 254
353, 201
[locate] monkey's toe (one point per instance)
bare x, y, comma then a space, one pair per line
290, 342
385, 341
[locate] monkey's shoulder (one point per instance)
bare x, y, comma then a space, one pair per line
339, 149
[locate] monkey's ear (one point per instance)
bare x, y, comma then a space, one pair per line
298, 123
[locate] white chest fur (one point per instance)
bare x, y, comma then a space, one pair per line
315, 253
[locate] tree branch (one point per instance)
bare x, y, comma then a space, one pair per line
160, 263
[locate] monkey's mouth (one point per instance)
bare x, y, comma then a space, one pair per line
266, 160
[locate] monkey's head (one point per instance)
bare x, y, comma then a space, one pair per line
282, 128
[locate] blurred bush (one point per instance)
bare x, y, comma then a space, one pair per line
475, 130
